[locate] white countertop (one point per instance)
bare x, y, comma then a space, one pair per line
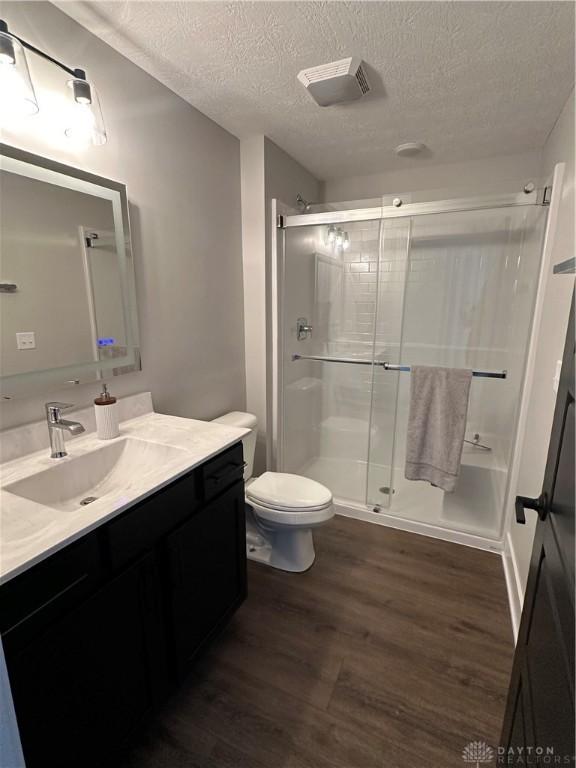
31, 531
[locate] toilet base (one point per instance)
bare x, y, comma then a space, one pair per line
287, 549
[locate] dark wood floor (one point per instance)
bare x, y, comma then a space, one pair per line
393, 651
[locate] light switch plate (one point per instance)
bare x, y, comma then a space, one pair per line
26, 340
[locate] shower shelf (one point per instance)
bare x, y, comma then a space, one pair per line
389, 366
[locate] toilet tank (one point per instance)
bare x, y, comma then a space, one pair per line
243, 421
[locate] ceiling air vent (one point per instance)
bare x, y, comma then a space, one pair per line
336, 82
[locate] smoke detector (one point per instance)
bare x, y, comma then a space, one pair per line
410, 149
337, 82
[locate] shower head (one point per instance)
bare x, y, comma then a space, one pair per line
303, 204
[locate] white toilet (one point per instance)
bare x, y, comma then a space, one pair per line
285, 508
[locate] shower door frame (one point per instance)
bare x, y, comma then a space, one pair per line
400, 210
283, 219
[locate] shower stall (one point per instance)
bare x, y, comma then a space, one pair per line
364, 293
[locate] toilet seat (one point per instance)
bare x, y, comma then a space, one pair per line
292, 518
283, 491
291, 500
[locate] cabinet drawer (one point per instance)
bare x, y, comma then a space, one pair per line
29, 602
138, 529
222, 471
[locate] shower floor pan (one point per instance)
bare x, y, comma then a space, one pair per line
474, 508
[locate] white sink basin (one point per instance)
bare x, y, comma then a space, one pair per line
105, 472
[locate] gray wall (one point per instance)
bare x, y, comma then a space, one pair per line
559, 148
182, 172
254, 265
267, 173
284, 178
474, 177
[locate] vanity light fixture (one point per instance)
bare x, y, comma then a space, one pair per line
331, 235
85, 123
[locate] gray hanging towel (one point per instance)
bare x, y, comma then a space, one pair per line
436, 424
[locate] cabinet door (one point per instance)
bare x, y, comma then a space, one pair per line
207, 567
84, 684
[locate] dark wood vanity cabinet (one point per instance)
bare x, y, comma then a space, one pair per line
207, 566
96, 635
82, 685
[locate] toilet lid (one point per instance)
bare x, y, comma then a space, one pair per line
278, 489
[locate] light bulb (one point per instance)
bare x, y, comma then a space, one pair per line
85, 122
346, 241
17, 97
339, 238
330, 235
80, 124
82, 92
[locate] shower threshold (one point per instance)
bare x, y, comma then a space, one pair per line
384, 517
468, 516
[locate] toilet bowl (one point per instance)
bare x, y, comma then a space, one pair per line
283, 509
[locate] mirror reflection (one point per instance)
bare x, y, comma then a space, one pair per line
66, 291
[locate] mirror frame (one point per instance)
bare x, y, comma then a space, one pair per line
36, 382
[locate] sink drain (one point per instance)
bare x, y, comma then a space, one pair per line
88, 500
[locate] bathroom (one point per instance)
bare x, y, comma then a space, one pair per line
214, 556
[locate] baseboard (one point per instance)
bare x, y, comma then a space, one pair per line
513, 584
423, 529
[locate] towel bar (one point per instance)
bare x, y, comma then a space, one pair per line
389, 366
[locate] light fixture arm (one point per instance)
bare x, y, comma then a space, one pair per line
79, 74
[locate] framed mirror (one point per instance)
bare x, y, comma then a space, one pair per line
67, 296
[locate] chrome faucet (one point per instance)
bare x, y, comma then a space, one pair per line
57, 426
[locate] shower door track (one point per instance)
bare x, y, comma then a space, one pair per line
401, 210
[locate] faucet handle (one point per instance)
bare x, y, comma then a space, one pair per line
53, 409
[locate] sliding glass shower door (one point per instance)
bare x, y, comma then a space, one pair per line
331, 293
451, 284
469, 288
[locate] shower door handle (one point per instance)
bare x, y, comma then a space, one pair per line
540, 505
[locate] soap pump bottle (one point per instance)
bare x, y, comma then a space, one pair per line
106, 411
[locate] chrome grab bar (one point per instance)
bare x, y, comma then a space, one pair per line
389, 366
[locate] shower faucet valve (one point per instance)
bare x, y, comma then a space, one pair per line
303, 330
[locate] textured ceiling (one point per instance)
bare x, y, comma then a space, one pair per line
469, 79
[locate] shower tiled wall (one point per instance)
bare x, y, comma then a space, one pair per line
360, 281
370, 318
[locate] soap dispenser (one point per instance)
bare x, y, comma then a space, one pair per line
106, 410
